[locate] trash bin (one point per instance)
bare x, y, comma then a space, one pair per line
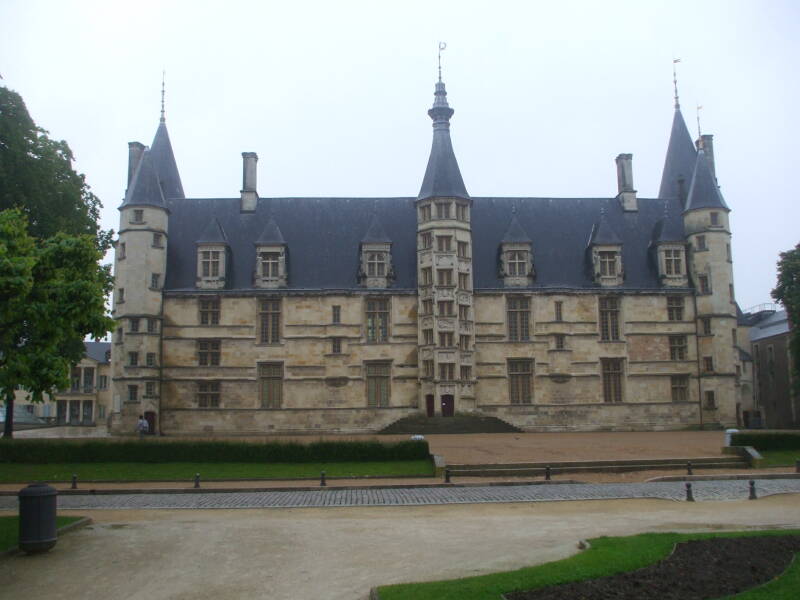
37, 518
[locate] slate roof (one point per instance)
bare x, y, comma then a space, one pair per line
271, 235
680, 160
515, 233
167, 168
323, 236
704, 192
212, 234
97, 350
603, 234
144, 190
375, 233
775, 324
442, 175
669, 228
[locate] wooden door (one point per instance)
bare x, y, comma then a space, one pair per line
448, 405
150, 417
429, 406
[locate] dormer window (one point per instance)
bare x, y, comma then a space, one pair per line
270, 265
376, 264
518, 263
209, 263
271, 253
271, 271
212, 251
672, 265
608, 264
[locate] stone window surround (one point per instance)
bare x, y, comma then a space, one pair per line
378, 383
675, 279
513, 257
520, 380
271, 281
269, 334
370, 263
208, 394
216, 263
619, 270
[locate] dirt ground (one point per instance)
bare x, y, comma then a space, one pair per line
339, 553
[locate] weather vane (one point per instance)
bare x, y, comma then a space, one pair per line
442, 46
163, 77
675, 61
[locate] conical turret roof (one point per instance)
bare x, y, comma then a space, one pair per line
669, 228
375, 232
680, 159
515, 232
144, 188
271, 235
442, 176
164, 161
704, 191
213, 234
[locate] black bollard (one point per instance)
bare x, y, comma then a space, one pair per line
322, 482
74, 482
196, 480
689, 467
797, 466
547, 473
447, 475
753, 490
689, 495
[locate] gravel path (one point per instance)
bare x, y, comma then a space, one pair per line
703, 491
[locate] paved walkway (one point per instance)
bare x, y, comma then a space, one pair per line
703, 491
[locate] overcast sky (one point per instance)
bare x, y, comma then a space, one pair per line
333, 97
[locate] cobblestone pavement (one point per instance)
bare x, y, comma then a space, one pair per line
703, 491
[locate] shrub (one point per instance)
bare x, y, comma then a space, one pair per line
156, 451
767, 441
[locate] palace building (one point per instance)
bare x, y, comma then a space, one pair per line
251, 315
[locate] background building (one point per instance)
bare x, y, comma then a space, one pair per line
87, 401
254, 315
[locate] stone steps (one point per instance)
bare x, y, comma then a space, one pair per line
420, 424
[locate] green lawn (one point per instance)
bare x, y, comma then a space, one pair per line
20, 473
779, 458
607, 556
9, 530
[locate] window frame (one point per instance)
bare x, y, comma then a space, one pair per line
612, 373
208, 311
378, 383
609, 317
269, 321
518, 317
209, 352
520, 380
270, 380
377, 312
679, 388
678, 347
675, 308
208, 394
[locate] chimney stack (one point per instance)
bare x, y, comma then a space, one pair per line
249, 193
626, 194
135, 153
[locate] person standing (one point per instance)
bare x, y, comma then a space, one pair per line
142, 426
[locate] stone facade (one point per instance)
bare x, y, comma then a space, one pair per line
228, 326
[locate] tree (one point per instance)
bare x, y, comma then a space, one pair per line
36, 176
52, 295
787, 292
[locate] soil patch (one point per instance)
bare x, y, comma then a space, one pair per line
696, 570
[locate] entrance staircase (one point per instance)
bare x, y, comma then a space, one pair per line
596, 466
420, 424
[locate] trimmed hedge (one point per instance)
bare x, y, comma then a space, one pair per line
767, 441
147, 451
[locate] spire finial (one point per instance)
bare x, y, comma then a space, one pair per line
675, 61
163, 77
699, 131
442, 46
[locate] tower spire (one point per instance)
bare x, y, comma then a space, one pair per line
675, 61
163, 77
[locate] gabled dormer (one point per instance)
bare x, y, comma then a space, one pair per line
605, 253
668, 246
516, 256
212, 257
375, 263
271, 258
